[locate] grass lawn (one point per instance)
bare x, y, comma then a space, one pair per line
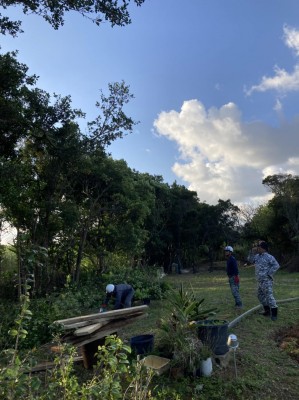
264, 369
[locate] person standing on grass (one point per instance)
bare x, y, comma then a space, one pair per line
265, 267
233, 275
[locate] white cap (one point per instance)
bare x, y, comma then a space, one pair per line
110, 288
229, 248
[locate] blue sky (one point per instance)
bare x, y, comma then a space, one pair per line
216, 86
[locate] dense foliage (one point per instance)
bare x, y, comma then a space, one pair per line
114, 11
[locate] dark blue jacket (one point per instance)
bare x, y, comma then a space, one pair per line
123, 294
232, 266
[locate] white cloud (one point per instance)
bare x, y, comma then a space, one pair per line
225, 157
294, 161
222, 156
291, 38
282, 81
278, 106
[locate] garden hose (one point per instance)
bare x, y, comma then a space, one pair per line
235, 321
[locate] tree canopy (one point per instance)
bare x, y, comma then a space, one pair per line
114, 11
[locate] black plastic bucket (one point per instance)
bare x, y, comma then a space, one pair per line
142, 344
214, 333
146, 301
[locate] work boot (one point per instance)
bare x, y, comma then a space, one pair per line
274, 313
266, 311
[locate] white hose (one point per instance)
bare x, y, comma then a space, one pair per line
235, 321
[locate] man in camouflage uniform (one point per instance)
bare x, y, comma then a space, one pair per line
265, 267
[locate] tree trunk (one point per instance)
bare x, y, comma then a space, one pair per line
80, 253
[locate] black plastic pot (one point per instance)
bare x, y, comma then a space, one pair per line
142, 344
214, 333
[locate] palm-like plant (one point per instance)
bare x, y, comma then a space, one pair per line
185, 307
177, 335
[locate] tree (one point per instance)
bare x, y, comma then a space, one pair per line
183, 205
114, 11
111, 122
263, 225
285, 204
218, 225
52, 176
159, 235
15, 86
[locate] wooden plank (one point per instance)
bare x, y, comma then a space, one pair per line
69, 337
86, 330
98, 321
81, 324
82, 340
111, 328
106, 315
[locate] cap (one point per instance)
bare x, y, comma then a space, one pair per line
110, 288
229, 248
263, 245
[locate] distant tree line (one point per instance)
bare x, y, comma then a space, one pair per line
277, 221
65, 195
75, 208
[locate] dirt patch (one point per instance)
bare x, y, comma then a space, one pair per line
288, 340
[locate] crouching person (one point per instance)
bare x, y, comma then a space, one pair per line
122, 293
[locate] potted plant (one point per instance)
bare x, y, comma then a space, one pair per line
214, 333
142, 295
177, 335
145, 296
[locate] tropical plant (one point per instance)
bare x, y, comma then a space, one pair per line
205, 352
186, 307
177, 334
186, 353
14, 382
141, 294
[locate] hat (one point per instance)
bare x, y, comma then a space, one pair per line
110, 288
229, 248
263, 245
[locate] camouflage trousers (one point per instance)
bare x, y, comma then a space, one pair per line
265, 293
235, 289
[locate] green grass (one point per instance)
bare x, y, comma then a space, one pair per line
264, 370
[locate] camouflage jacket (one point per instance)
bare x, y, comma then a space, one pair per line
265, 265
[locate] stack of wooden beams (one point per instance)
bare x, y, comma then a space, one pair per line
89, 328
